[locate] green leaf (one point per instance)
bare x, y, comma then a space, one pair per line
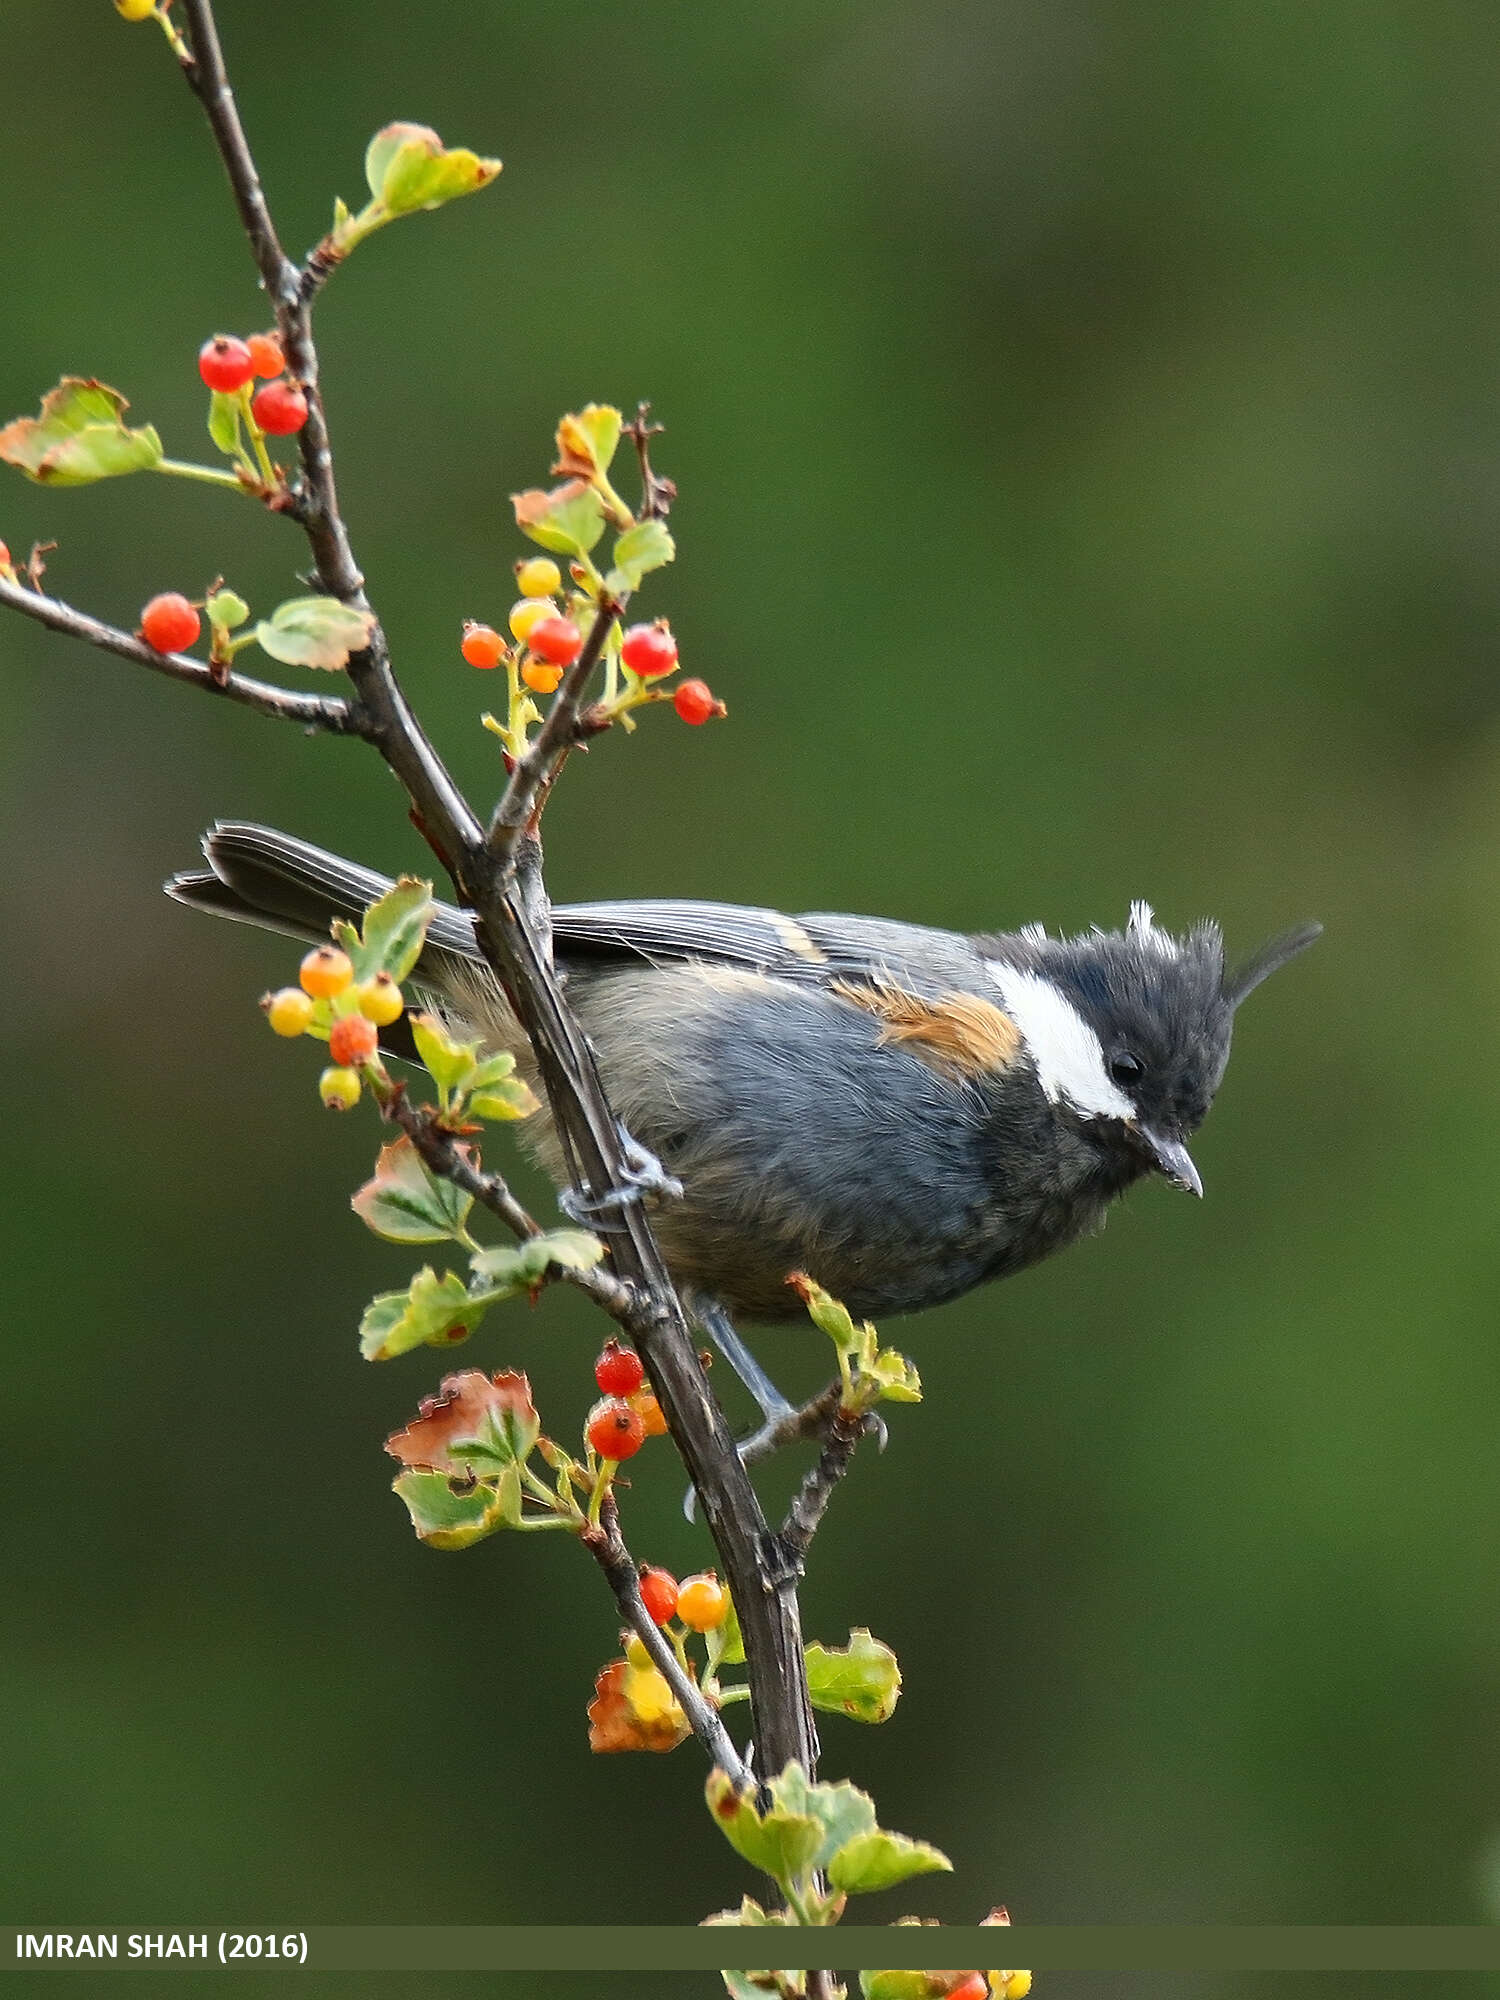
898, 1379
432, 1311
450, 1064
764, 1985
588, 439
451, 1514
506, 1101
750, 1915
409, 168
896, 1986
861, 1680
315, 632
477, 1423
732, 1647
394, 930
510, 1268
781, 1844
568, 520
227, 608
494, 1069
841, 1811
224, 414
405, 1202
639, 550
879, 1860
79, 436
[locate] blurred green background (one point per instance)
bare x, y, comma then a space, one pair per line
1089, 440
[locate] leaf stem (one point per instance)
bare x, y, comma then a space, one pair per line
210, 475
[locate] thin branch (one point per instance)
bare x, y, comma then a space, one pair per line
606, 1545
518, 951
562, 730
451, 1161
810, 1502
312, 711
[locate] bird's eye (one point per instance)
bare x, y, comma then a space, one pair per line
1126, 1068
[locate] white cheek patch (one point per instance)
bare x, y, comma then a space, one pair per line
1069, 1060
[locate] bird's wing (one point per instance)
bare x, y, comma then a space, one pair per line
816, 949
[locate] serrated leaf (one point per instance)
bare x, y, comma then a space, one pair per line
861, 1680
315, 632
449, 1063
504, 1102
432, 1311
510, 1268
405, 1202
898, 1379
79, 436
879, 1860
574, 1249
409, 168
641, 549
841, 1811
451, 1514
588, 440
394, 930
475, 1423
224, 421
494, 1069
569, 520
780, 1843
750, 1915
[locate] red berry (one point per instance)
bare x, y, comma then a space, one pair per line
975, 1987
224, 363
659, 1594
481, 645
556, 639
279, 408
169, 622
352, 1039
619, 1371
695, 702
266, 357
614, 1430
649, 650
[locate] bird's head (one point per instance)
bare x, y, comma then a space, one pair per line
1129, 1030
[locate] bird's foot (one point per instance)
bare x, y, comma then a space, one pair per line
644, 1176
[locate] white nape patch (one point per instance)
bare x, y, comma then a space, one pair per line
1069, 1060
1142, 927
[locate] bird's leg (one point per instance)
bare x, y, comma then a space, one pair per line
644, 1175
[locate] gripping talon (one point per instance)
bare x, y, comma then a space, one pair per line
644, 1175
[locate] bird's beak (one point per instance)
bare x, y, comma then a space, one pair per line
1173, 1160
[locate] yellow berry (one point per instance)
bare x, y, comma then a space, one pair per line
288, 1011
1010, 1985
136, 10
380, 1000
528, 612
339, 1089
702, 1602
538, 577
325, 972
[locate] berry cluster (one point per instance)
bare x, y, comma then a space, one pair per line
627, 1412
229, 365
328, 1001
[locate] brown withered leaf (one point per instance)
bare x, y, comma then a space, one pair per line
496, 1411
619, 1722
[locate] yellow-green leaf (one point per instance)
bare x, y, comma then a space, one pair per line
79, 436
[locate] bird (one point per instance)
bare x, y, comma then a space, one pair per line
903, 1112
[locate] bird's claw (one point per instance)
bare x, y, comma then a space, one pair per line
643, 1175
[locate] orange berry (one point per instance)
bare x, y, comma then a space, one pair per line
702, 1602
644, 1403
169, 622
482, 645
614, 1430
541, 678
266, 357
695, 702
325, 971
352, 1039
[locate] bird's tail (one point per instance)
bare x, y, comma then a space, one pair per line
256, 875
